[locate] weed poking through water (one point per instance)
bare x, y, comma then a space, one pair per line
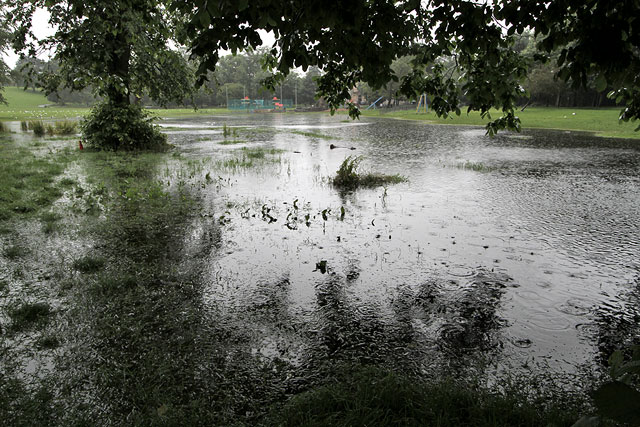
348, 178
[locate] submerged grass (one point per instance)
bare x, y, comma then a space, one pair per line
312, 134
348, 178
474, 166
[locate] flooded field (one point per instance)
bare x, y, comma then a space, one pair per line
231, 271
525, 245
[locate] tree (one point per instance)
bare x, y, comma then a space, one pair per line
358, 41
120, 48
4, 70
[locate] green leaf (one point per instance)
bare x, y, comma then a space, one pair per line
618, 402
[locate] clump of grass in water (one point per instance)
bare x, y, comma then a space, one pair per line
37, 126
29, 314
348, 177
232, 141
312, 134
474, 166
24, 126
2, 127
89, 264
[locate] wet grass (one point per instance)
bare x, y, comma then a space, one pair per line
232, 142
88, 264
27, 183
371, 396
28, 315
348, 178
249, 157
14, 252
602, 121
474, 166
312, 134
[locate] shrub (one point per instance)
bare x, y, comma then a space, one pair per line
121, 127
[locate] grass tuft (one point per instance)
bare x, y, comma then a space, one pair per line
29, 314
89, 264
15, 252
312, 134
37, 126
348, 177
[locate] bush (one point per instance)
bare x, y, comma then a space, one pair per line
117, 127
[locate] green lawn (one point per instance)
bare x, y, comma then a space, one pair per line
603, 121
29, 105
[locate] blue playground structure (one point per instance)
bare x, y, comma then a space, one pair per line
373, 104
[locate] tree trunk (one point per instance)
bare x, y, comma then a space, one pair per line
118, 92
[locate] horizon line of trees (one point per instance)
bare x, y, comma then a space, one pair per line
237, 76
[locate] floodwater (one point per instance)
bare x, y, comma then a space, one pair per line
524, 247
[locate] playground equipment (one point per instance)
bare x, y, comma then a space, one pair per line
248, 104
373, 104
422, 102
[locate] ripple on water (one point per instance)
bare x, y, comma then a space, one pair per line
575, 307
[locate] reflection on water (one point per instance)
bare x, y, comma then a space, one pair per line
532, 253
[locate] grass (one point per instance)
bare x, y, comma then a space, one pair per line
14, 252
602, 121
28, 315
26, 105
371, 396
37, 126
348, 178
312, 134
474, 166
27, 183
88, 264
232, 141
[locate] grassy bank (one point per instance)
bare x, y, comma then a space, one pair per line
602, 122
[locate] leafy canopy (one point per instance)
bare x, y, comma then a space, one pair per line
358, 40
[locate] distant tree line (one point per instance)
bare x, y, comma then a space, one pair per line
236, 76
